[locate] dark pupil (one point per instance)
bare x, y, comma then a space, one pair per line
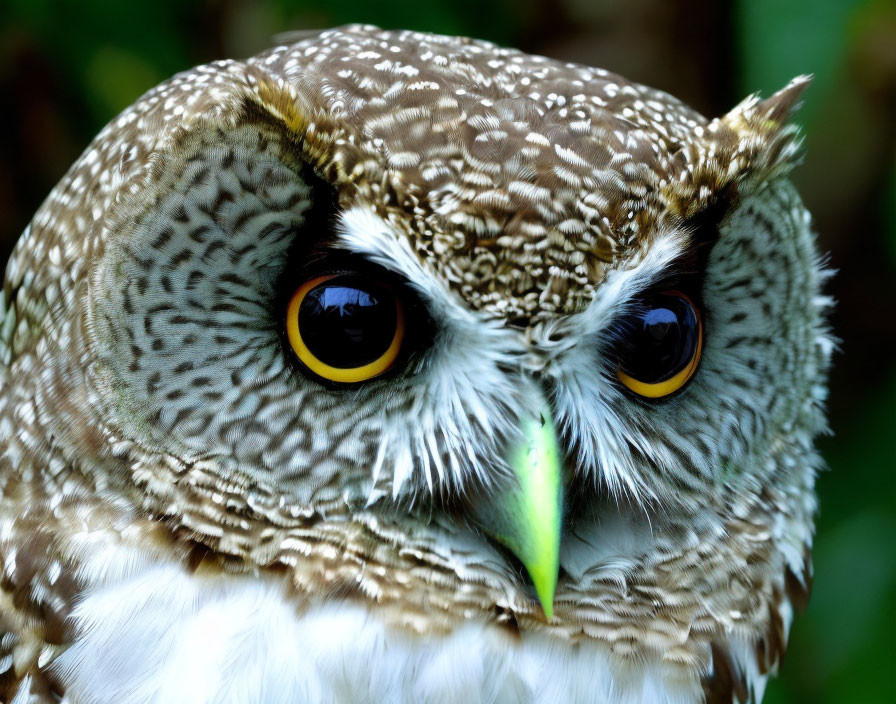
346, 322
662, 339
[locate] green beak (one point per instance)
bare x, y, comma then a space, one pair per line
526, 517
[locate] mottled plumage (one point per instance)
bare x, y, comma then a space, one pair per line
187, 517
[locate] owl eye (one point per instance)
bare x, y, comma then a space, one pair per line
345, 328
663, 341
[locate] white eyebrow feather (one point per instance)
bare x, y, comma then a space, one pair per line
362, 231
624, 284
466, 396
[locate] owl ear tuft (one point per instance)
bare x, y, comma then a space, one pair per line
753, 143
769, 116
761, 140
783, 104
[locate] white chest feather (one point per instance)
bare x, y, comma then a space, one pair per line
152, 632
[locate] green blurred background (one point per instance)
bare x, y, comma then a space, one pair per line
66, 68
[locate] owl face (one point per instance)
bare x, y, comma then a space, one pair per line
326, 292
525, 239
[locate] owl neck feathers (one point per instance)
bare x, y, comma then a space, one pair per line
716, 614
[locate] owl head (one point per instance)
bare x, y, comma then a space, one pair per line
444, 327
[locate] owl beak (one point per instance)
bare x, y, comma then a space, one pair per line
526, 517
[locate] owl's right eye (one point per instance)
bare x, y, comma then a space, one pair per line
345, 328
663, 342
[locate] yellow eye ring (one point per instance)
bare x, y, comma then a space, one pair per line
331, 372
664, 387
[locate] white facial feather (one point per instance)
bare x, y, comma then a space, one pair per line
589, 396
464, 393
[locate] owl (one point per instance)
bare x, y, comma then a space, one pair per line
394, 367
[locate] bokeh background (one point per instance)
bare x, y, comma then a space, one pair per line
67, 67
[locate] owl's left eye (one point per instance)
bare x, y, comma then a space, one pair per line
345, 328
663, 341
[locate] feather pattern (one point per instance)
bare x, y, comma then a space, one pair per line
185, 516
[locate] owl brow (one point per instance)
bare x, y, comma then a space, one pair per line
368, 236
677, 261
686, 272
703, 230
